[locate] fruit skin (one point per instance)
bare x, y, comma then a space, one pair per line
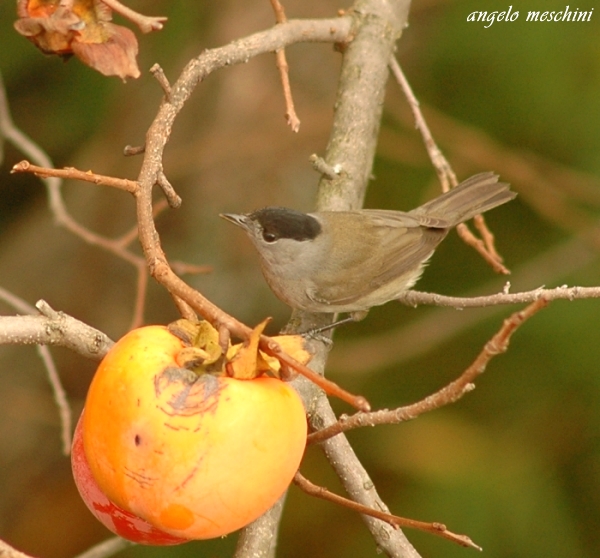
114, 518
197, 457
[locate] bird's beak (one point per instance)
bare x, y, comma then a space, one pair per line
237, 219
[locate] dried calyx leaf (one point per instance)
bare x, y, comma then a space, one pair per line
202, 352
83, 28
246, 360
243, 361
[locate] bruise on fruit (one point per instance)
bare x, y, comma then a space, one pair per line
171, 375
185, 393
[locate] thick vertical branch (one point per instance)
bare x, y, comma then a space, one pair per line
359, 102
359, 486
350, 152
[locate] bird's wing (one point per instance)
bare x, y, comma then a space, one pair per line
396, 244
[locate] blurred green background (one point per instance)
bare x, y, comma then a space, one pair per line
516, 463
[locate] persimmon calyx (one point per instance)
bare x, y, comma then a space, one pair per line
203, 354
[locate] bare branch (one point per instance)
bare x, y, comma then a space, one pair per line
350, 152
11, 133
75, 174
130, 150
60, 398
145, 23
290, 114
491, 256
53, 183
322, 167
444, 171
359, 485
163, 81
418, 336
172, 197
448, 394
438, 529
417, 298
61, 330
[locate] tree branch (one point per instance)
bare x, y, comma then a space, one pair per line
418, 336
60, 330
418, 298
350, 151
449, 394
328, 30
434, 528
359, 485
75, 174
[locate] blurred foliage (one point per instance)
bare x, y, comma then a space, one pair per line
516, 463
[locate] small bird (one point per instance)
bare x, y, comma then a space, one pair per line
350, 261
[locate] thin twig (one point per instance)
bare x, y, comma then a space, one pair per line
417, 298
145, 23
490, 255
441, 165
445, 396
159, 74
282, 65
168, 190
321, 166
359, 485
60, 398
53, 183
435, 528
130, 150
74, 174
448, 178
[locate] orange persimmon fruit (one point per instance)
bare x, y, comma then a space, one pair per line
196, 455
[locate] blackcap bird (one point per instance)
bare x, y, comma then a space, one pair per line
349, 261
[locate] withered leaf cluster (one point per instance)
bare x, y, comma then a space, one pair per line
82, 28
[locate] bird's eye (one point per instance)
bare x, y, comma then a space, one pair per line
269, 236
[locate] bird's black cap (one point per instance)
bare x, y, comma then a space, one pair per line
281, 222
